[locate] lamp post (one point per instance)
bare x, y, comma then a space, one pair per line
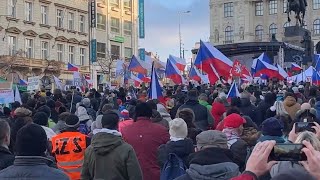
180, 36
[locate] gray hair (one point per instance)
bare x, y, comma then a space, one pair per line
310, 137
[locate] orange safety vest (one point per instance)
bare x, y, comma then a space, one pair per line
69, 148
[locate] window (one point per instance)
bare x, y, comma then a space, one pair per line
259, 33
316, 4
101, 22
44, 50
127, 3
12, 8
115, 52
115, 25
60, 52
316, 26
285, 6
101, 50
28, 11
82, 56
228, 34
228, 9
12, 43
59, 18
259, 8
71, 21
29, 48
82, 23
287, 24
128, 52
272, 29
273, 7
114, 3
127, 28
44, 14
71, 54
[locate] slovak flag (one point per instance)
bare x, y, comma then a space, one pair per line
137, 80
23, 82
72, 67
295, 67
236, 68
179, 62
173, 73
137, 65
233, 92
155, 90
211, 61
144, 78
194, 74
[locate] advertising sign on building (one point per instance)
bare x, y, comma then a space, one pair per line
142, 54
33, 83
93, 14
141, 20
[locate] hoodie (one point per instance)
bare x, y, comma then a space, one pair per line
217, 111
291, 106
109, 157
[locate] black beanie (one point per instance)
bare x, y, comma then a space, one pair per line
31, 140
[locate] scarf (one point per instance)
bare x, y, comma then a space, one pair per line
232, 135
109, 131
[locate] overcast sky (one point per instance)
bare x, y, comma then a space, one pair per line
162, 26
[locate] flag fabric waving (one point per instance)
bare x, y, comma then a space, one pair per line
179, 62
155, 90
236, 68
194, 74
264, 68
72, 67
137, 65
137, 80
17, 96
57, 82
23, 82
282, 74
317, 62
233, 92
173, 73
144, 78
315, 77
295, 67
212, 61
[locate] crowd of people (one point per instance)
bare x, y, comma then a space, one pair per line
193, 133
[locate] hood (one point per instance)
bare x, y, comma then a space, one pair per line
203, 103
245, 102
180, 148
218, 109
290, 101
210, 156
103, 143
221, 171
192, 102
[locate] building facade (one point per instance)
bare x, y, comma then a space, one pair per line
240, 21
117, 36
40, 37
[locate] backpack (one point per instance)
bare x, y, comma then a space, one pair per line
173, 168
84, 129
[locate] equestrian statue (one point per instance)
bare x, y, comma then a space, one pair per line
299, 8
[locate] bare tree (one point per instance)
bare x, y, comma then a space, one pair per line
106, 63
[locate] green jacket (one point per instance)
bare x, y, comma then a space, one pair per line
109, 157
205, 104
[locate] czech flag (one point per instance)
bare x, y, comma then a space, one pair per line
316, 61
282, 74
137, 80
23, 82
173, 73
236, 68
233, 92
144, 78
194, 74
245, 74
155, 90
72, 67
212, 61
295, 67
264, 68
137, 65
315, 77
179, 62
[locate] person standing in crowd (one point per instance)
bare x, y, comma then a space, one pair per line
179, 144
233, 128
290, 105
268, 101
218, 109
212, 159
30, 161
203, 100
69, 147
188, 116
41, 119
179, 102
47, 110
85, 120
87, 104
6, 157
203, 118
246, 107
146, 137
61, 124
272, 129
125, 120
109, 156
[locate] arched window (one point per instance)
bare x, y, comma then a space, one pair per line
228, 34
272, 29
316, 26
259, 32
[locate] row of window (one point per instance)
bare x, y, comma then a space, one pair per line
115, 51
116, 3
45, 50
115, 24
272, 30
61, 15
273, 7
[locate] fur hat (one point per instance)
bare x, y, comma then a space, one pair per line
178, 128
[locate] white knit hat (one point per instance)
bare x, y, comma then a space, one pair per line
178, 128
82, 114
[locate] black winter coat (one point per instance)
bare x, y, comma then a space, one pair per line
6, 158
247, 108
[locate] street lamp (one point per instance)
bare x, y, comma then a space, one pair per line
180, 36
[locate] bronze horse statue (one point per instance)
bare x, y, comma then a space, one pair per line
299, 8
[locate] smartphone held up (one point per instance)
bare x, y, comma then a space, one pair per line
287, 152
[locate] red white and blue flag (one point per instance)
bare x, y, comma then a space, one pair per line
295, 67
144, 78
236, 68
173, 73
211, 61
137, 81
233, 92
155, 91
282, 74
194, 74
72, 67
23, 82
315, 77
137, 65
264, 68
179, 62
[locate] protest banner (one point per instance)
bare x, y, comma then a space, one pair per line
33, 83
6, 96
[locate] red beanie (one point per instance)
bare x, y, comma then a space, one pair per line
233, 121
